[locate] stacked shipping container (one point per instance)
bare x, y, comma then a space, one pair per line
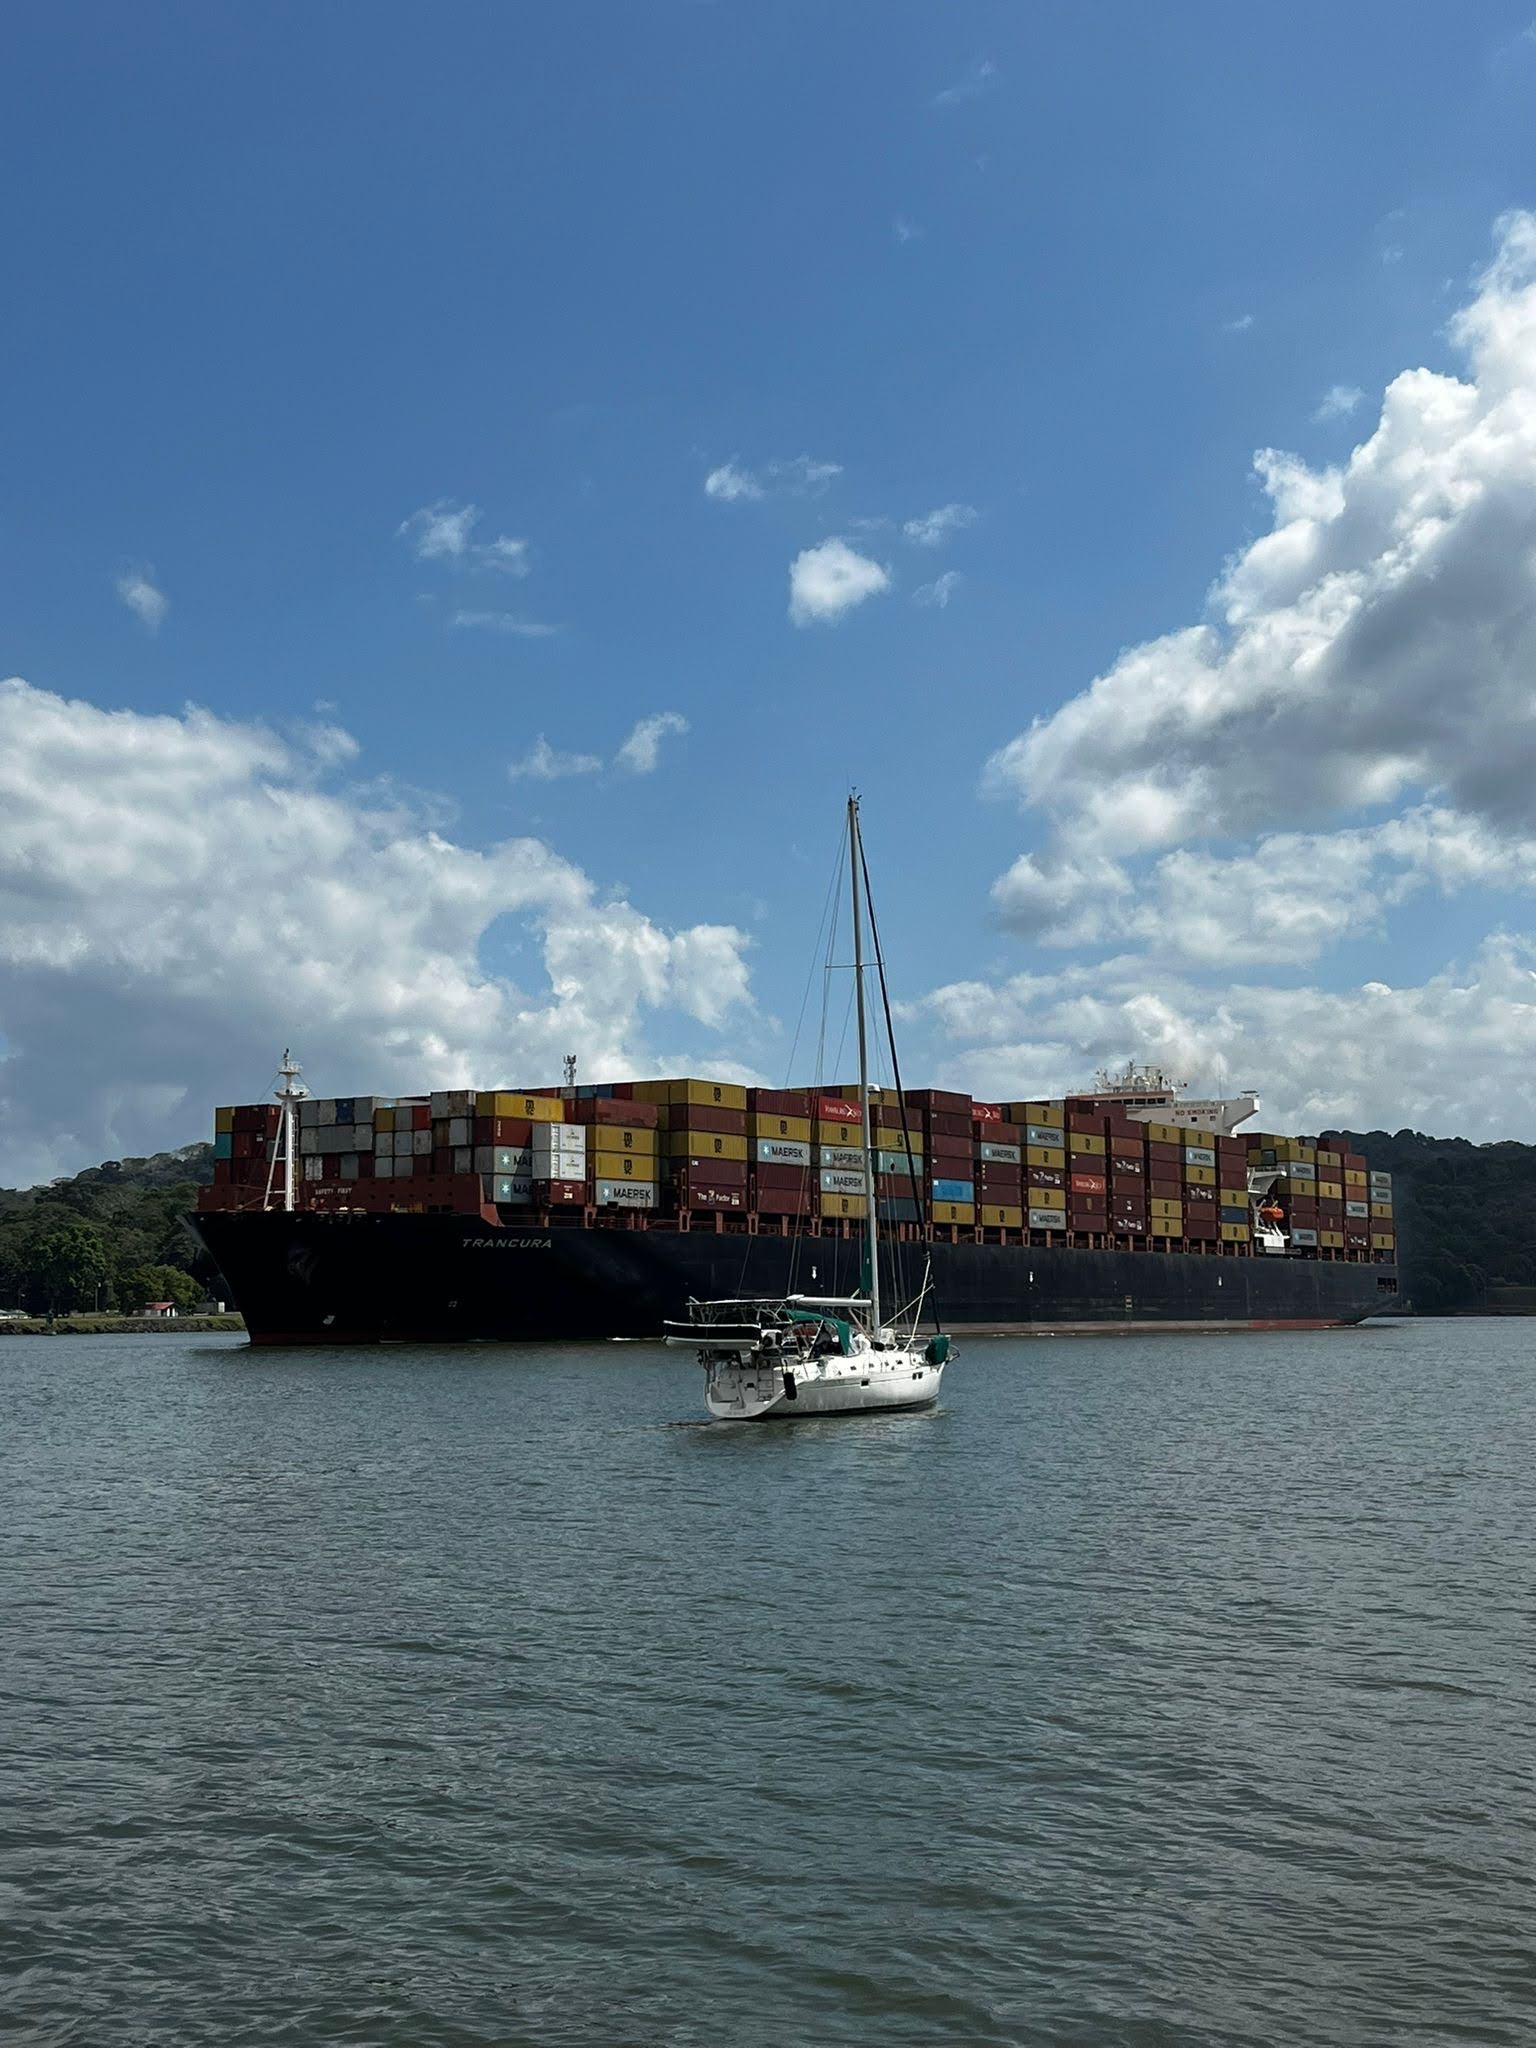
1077, 1170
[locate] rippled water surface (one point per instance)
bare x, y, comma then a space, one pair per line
1150, 1691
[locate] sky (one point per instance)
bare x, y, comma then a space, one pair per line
480, 484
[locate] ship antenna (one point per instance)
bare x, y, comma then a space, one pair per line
290, 1092
570, 1070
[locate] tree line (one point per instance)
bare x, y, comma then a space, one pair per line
111, 1238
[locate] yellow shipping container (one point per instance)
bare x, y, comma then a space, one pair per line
1167, 1226
1330, 1191
384, 1119
1383, 1241
1331, 1240
223, 1120
1230, 1197
1193, 1134
707, 1094
705, 1145
621, 1166
1047, 1198
831, 1131
1235, 1233
1044, 1155
845, 1205
1036, 1113
625, 1138
650, 1091
1329, 1159
954, 1212
1084, 1143
797, 1129
1164, 1205
999, 1216
1355, 1177
1381, 1212
1200, 1176
1165, 1134
539, 1109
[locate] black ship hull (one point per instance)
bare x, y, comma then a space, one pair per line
304, 1278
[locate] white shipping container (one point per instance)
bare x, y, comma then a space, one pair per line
782, 1152
1298, 1169
463, 1158
309, 1112
502, 1187
1303, 1237
1199, 1155
1003, 1155
513, 1159
383, 1169
1045, 1134
626, 1194
842, 1183
844, 1158
460, 1131
384, 1144
1047, 1219
349, 1167
326, 1107
449, 1102
362, 1109
560, 1137
559, 1165
421, 1144
1357, 1208
314, 1166
1381, 1180
309, 1139
405, 1143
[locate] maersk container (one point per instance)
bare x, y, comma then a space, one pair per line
841, 1183
842, 1158
781, 1152
1359, 1209
908, 1164
1047, 1219
1303, 1237
625, 1194
1010, 1155
501, 1187
1044, 1134
1200, 1155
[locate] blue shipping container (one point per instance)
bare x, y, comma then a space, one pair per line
954, 1191
223, 1145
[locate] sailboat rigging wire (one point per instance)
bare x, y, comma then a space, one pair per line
829, 908
890, 1035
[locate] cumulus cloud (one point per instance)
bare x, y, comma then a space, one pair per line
542, 764
939, 591
442, 533
1377, 643
936, 527
180, 897
137, 590
829, 580
642, 750
797, 477
1454, 1054
1338, 402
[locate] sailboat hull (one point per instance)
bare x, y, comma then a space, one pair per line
760, 1395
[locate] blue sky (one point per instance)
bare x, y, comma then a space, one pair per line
279, 279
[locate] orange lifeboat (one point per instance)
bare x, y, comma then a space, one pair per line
1272, 1213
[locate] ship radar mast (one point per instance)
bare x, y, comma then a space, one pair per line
290, 1092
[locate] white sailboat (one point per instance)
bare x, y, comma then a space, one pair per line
805, 1355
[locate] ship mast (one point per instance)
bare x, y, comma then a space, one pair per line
871, 1221
290, 1092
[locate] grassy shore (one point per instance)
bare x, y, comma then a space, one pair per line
101, 1326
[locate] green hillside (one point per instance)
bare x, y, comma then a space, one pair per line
109, 1238
1466, 1218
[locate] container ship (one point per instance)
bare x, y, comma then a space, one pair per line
600, 1212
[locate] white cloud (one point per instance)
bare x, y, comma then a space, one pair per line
904, 230
980, 78
1338, 402
730, 483
826, 581
1376, 645
642, 750
542, 764
1240, 325
1454, 1054
506, 622
797, 476
148, 605
936, 527
179, 899
939, 591
441, 533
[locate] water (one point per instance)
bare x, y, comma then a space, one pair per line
1156, 1692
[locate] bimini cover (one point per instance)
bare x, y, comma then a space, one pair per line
844, 1331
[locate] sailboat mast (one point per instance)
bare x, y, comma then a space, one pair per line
871, 1219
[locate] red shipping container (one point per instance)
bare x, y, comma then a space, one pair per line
780, 1101
939, 1099
1088, 1184
832, 1109
783, 1177
986, 1112
1197, 1197
689, 1116
947, 1124
1200, 1224
1122, 1166
709, 1195
614, 1109
557, 1194
1157, 1150
1045, 1176
781, 1202
997, 1173
718, 1173
420, 1116
1090, 1122
1166, 1187
950, 1148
